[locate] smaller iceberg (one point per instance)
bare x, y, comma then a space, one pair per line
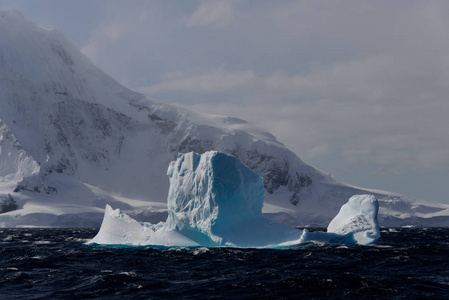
358, 218
214, 200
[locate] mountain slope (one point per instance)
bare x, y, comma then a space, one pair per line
73, 139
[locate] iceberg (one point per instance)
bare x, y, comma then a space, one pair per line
214, 200
359, 218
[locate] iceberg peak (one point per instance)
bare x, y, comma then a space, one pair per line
218, 196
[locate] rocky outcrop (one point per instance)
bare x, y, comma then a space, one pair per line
7, 203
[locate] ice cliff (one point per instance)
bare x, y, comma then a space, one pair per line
73, 139
214, 200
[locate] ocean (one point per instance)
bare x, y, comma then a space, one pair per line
406, 263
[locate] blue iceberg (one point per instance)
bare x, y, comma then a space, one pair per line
214, 200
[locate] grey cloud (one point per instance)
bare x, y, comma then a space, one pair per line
216, 13
218, 81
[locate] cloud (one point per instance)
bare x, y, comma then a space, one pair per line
211, 12
104, 34
218, 81
368, 109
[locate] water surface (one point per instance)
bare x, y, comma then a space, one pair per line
406, 263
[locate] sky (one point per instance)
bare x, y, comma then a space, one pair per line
358, 89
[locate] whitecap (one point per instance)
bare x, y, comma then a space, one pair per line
200, 250
42, 242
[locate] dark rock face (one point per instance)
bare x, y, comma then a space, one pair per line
302, 181
94, 131
276, 173
7, 203
189, 144
273, 170
49, 190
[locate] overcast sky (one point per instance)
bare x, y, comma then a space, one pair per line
359, 89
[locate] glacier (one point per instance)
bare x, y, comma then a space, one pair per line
214, 200
72, 139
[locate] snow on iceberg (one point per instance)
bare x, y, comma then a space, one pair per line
214, 200
359, 217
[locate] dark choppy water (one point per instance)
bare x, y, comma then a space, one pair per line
55, 264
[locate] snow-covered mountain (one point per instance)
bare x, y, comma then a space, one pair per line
73, 139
